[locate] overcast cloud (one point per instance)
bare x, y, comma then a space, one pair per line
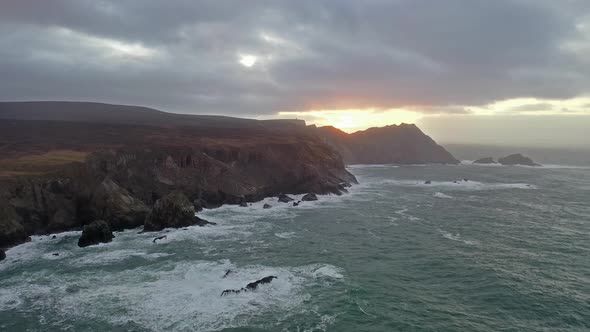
184, 55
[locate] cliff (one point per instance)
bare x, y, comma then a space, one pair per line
396, 144
57, 175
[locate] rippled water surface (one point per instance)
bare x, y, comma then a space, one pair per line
507, 250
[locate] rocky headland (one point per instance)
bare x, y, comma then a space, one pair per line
58, 175
395, 144
105, 168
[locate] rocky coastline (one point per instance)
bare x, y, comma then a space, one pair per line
130, 189
65, 166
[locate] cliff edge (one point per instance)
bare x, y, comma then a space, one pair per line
58, 174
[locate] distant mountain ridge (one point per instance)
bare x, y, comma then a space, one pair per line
394, 144
397, 144
91, 112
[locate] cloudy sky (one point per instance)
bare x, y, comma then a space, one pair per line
501, 68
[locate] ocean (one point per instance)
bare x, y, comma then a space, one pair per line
480, 248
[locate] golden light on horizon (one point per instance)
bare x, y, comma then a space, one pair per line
351, 120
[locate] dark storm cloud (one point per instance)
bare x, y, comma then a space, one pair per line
183, 55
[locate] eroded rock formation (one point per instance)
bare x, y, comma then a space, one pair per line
173, 210
487, 160
517, 159
396, 144
94, 233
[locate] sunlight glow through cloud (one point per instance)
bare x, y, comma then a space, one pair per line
352, 120
108, 46
248, 60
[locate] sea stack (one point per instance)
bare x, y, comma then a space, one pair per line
487, 160
517, 159
173, 210
309, 197
96, 232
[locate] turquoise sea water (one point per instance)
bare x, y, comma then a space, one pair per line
507, 250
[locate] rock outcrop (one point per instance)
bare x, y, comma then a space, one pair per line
173, 210
11, 230
2, 255
309, 197
283, 198
517, 159
115, 205
487, 160
35, 206
96, 232
403, 144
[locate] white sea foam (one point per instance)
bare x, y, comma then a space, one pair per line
438, 194
328, 271
457, 237
285, 235
180, 296
361, 166
9, 300
113, 256
460, 185
542, 167
403, 213
40, 247
325, 322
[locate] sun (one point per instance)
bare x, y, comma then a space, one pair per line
248, 60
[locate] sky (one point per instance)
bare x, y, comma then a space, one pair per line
466, 71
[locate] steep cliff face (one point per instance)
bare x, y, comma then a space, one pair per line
117, 186
57, 175
403, 144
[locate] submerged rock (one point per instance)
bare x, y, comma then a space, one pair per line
487, 160
159, 238
96, 232
296, 203
243, 204
427, 182
2, 255
267, 206
249, 287
202, 222
173, 210
228, 272
309, 197
285, 199
517, 159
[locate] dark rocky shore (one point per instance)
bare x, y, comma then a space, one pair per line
65, 166
125, 188
124, 174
